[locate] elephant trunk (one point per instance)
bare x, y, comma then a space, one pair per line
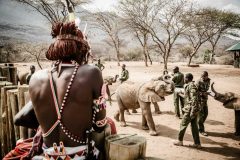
115, 78
218, 96
213, 90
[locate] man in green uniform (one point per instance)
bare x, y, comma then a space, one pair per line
203, 85
178, 79
191, 109
124, 74
100, 65
32, 70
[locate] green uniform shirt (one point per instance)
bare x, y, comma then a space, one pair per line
178, 79
124, 75
191, 98
203, 87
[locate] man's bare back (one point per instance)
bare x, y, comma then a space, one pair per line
77, 113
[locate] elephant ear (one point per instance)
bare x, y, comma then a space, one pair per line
146, 93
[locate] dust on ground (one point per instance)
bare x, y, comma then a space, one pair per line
220, 144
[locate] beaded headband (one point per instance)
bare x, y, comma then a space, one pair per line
71, 37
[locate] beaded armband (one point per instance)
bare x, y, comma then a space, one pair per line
98, 105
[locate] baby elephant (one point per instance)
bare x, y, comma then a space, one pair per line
136, 95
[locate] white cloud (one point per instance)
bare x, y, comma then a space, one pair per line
230, 5
232, 8
101, 5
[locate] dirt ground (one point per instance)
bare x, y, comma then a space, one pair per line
220, 144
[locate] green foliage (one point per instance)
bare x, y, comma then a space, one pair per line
133, 55
186, 51
207, 56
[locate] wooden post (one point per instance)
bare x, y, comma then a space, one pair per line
6, 73
21, 102
2, 84
5, 119
3, 79
12, 104
13, 110
13, 75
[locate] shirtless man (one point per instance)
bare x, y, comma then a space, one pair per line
63, 97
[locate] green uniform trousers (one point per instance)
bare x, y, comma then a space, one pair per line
194, 127
202, 116
177, 99
237, 122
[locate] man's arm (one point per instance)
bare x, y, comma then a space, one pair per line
194, 101
97, 88
26, 117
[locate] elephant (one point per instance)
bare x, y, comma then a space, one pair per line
231, 101
131, 95
22, 77
109, 80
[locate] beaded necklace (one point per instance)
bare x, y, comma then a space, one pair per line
60, 110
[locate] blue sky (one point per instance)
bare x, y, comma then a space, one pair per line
232, 5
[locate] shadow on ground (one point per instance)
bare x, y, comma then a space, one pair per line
224, 135
213, 122
221, 149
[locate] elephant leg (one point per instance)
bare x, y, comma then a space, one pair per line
122, 119
121, 111
146, 111
156, 107
144, 123
127, 112
116, 116
134, 111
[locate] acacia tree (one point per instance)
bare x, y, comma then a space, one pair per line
8, 50
200, 31
138, 16
168, 25
108, 22
221, 21
53, 10
37, 51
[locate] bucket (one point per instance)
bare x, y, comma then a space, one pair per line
125, 147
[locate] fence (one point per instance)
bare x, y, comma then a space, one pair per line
12, 99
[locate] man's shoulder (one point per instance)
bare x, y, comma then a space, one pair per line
90, 69
192, 85
180, 73
39, 78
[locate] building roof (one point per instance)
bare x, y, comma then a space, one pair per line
235, 47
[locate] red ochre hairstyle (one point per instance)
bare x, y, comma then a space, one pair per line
69, 44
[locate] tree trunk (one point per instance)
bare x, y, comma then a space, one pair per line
190, 60
38, 62
145, 50
118, 57
149, 58
145, 60
165, 63
212, 54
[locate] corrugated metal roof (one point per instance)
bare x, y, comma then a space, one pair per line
235, 47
